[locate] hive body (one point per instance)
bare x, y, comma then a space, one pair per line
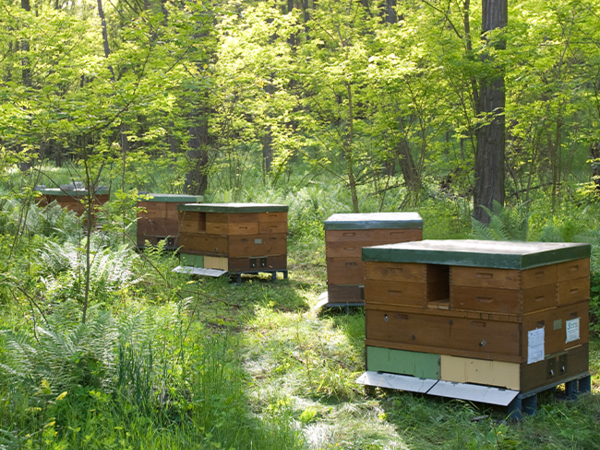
159, 219
503, 314
234, 237
347, 234
71, 198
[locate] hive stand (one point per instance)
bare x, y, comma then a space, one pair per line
485, 321
159, 221
70, 196
345, 236
234, 238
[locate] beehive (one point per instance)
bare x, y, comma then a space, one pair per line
502, 314
72, 197
347, 234
234, 237
159, 219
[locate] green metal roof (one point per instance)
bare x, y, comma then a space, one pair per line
69, 193
370, 221
494, 254
173, 198
232, 207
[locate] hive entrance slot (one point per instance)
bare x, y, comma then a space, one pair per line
202, 222
438, 286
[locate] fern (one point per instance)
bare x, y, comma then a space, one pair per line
506, 224
64, 357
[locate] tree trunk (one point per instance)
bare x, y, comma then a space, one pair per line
196, 180
595, 153
390, 11
489, 155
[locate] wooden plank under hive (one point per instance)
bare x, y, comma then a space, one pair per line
159, 219
347, 234
236, 237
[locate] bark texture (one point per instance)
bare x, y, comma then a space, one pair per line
489, 156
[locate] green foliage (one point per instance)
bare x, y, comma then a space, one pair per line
506, 224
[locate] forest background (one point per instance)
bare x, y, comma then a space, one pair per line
326, 106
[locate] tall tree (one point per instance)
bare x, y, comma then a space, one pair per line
489, 156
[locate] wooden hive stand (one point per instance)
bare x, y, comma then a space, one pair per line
485, 321
234, 238
71, 196
346, 235
159, 220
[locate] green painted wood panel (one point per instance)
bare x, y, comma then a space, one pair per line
374, 221
232, 207
188, 259
171, 198
472, 253
422, 365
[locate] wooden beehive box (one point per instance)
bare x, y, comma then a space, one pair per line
159, 220
234, 237
71, 197
506, 314
347, 234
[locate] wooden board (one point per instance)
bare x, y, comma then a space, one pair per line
573, 269
216, 262
421, 365
480, 371
555, 367
374, 237
272, 227
484, 339
344, 294
153, 210
407, 294
187, 259
554, 323
207, 243
271, 262
232, 229
506, 301
267, 217
157, 227
257, 245
482, 277
448, 313
345, 271
412, 273
573, 291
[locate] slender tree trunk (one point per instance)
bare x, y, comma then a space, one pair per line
489, 156
348, 150
390, 11
196, 180
595, 154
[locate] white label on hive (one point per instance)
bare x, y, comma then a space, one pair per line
535, 345
572, 328
258, 241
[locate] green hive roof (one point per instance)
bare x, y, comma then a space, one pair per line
232, 207
370, 221
172, 198
495, 254
69, 192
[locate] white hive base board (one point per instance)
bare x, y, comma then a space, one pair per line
189, 270
399, 382
448, 389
